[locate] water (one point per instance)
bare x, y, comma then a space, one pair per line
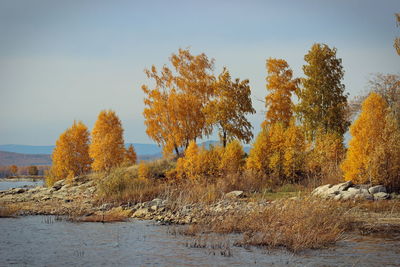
5, 185
44, 241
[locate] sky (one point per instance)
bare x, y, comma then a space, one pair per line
62, 61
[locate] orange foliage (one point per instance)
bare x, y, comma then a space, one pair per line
70, 156
130, 155
173, 112
374, 150
281, 84
228, 109
107, 148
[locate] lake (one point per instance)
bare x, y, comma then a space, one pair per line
46, 241
5, 185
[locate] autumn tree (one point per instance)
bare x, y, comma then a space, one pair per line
174, 106
397, 39
33, 170
232, 158
107, 148
130, 156
279, 152
228, 109
13, 169
323, 103
199, 163
324, 159
386, 85
281, 85
70, 156
374, 151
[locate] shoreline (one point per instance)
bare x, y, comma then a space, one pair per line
77, 201
23, 179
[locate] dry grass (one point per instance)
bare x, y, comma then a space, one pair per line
295, 225
9, 211
121, 186
114, 215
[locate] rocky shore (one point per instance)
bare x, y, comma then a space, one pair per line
78, 200
350, 191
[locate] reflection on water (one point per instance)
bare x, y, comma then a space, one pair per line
5, 185
44, 241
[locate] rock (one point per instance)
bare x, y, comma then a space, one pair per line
105, 206
140, 213
321, 189
339, 187
394, 196
57, 185
376, 189
18, 190
381, 196
331, 191
235, 194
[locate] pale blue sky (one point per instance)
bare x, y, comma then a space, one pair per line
66, 60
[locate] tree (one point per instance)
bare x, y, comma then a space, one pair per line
232, 158
323, 103
279, 152
130, 156
107, 148
281, 85
386, 85
174, 107
70, 156
324, 159
13, 169
199, 163
397, 39
258, 159
374, 150
228, 109
33, 170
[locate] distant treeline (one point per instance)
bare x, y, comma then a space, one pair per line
7, 171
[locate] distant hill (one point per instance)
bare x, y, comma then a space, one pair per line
11, 158
141, 149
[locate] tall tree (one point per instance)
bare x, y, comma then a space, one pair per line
323, 103
70, 156
281, 85
229, 107
107, 148
174, 106
374, 150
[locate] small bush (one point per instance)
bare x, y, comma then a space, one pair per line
122, 186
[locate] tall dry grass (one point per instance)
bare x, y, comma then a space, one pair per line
295, 225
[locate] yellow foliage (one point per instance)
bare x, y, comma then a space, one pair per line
279, 152
259, 155
374, 150
326, 155
107, 148
199, 163
143, 171
281, 84
71, 155
130, 156
229, 107
173, 108
232, 158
